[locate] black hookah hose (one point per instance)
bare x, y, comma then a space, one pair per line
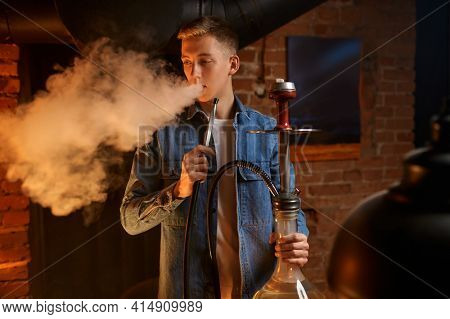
212, 252
187, 238
192, 206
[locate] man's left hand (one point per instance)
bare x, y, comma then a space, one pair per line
291, 248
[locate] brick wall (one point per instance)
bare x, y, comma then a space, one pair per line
14, 214
386, 101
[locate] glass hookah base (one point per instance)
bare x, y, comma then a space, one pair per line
275, 289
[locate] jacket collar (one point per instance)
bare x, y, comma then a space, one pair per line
196, 109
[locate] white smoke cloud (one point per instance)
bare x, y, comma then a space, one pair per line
51, 143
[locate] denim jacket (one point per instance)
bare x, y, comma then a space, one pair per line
149, 201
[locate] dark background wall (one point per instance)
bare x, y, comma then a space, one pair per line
432, 65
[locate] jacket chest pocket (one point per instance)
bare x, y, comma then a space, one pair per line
254, 197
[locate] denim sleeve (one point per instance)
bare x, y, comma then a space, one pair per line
146, 203
275, 175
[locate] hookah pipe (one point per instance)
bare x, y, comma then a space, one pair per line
282, 201
193, 204
281, 93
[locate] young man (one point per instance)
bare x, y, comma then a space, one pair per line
164, 172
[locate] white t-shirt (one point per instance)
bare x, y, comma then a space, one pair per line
227, 249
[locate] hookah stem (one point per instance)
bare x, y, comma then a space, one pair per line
281, 93
284, 160
192, 207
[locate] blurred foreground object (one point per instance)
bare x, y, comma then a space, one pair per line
396, 244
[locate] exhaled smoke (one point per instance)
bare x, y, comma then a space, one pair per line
51, 143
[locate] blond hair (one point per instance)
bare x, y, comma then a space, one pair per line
213, 26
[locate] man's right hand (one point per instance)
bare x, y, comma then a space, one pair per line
194, 168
